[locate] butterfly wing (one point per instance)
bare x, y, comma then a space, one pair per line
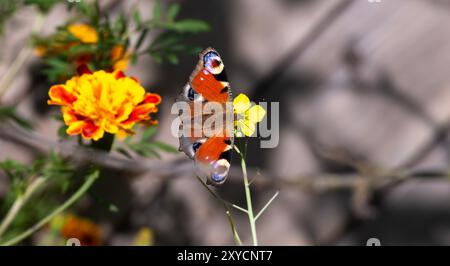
208, 83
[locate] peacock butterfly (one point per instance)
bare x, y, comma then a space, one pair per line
204, 103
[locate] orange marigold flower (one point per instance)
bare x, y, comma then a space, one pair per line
119, 57
83, 229
83, 32
99, 102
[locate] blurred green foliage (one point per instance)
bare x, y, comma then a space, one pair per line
60, 175
145, 146
163, 37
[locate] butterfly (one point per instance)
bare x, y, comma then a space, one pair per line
207, 97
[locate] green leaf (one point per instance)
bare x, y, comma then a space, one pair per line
157, 57
81, 49
137, 18
165, 40
172, 58
157, 11
134, 59
172, 13
164, 146
43, 5
124, 152
145, 150
148, 133
141, 39
189, 26
82, 8
62, 132
65, 185
120, 25
15, 169
53, 166
151, 153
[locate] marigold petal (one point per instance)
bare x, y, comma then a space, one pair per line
119, 73
75, 128
110, 127
241, 103
124, 112
59, 95
99, 102
84, 230
69, 116
83, 32
141, 112
152, 98
92, 131
117, 52
121, 64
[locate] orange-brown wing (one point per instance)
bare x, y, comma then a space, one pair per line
213, 159
207, 83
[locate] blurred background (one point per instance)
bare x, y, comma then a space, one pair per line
364, 94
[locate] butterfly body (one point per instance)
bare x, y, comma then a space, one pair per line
207, 95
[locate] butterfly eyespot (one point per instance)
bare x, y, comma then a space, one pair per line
196, 146
218, 177
219, 171
207, 83
191, 94
213, 62
210, 57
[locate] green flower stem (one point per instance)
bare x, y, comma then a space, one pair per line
20, 202
78, 194
236, 237
248, 198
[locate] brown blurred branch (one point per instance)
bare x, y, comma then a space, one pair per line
374, 177
40, 144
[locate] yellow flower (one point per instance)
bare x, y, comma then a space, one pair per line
144, 237
83, 229
99, 102
119, 58
83, 32
247, 116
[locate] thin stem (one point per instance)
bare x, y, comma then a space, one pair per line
236, 207
20, 60
248, 198
236, 237
78, 194
267, 205
20, 202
